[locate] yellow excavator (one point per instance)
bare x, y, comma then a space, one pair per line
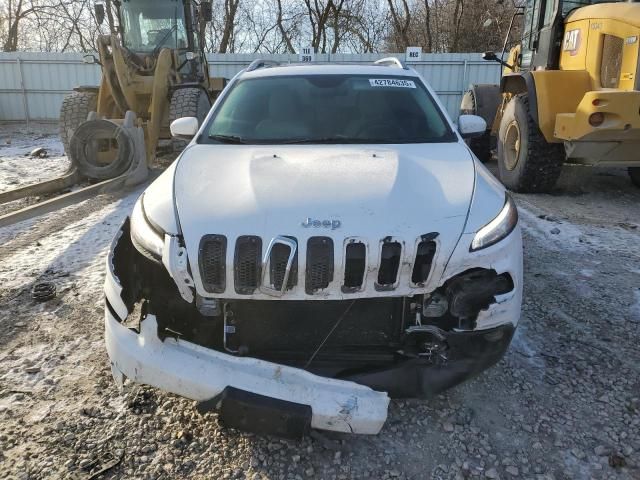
153, 71
569, 92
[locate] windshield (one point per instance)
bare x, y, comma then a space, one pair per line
150, 25
569, 5
329, 109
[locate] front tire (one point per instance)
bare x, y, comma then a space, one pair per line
74, 110
480, 146
634, 174
526, 161
188, 102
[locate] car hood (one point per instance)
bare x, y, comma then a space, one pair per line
367, 191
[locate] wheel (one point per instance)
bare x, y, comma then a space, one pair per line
74, 110
526, 161
188, 102
480, 146
634, 173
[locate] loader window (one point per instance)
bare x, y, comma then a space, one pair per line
611, 63
151, 25
569, 5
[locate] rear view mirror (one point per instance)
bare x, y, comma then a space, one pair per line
471, 126
490, 56
184, 128
99, 11
206, 11
90, 59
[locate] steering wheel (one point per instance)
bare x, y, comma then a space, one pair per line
388, 129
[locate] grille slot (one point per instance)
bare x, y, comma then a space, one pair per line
389, 265
247, 264
278, 265
319, 269
424, 258
212, 262
354, 266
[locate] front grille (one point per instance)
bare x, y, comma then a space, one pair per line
424, 258
278, 265
319, 264
354, 266
389, 264
213, 252
247, 264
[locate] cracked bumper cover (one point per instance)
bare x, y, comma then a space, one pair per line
356, 404
200, 373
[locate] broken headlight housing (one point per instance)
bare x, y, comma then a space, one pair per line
147, 237
498, 228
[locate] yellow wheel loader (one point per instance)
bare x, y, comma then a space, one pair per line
569, 91
153, 64
153, 72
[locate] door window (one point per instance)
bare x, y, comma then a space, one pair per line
611, 63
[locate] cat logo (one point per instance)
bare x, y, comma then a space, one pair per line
571, 42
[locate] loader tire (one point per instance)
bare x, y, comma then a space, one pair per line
481, 146
75, 108
526, 161
188, 102
634, 174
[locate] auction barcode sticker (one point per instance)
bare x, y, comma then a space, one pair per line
391, 82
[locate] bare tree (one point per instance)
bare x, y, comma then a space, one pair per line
279, 26
401, 23
230, 9
286, 34
17, 11
427, 26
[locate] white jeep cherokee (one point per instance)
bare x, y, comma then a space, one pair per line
325, 242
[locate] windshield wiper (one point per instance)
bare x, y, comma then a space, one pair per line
336, 139
228, 139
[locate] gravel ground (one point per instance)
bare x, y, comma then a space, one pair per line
563, 403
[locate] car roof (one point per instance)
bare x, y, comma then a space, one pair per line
329, 69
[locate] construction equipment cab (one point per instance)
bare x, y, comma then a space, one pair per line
569, 90
153, 65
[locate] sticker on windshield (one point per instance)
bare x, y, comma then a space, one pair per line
391, 82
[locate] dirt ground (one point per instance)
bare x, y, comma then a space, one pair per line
564, 403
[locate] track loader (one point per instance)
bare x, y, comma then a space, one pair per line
569, 92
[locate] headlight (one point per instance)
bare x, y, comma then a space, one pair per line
146, 237
498, 228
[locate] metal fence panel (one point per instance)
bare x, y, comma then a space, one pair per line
32, 85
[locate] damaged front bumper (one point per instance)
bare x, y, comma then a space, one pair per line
200, 374
352, 398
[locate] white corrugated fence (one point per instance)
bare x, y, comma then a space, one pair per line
32, 85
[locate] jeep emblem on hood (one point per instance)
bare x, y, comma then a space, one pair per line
332, 224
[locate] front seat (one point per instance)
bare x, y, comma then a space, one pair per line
286, 117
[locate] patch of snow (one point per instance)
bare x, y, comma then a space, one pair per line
520, 343
561, 234
18, 169
77, 249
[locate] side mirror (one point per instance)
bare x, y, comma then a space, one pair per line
90, 59
206, 12
184, 128
489, 56
99, 11
471, 126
